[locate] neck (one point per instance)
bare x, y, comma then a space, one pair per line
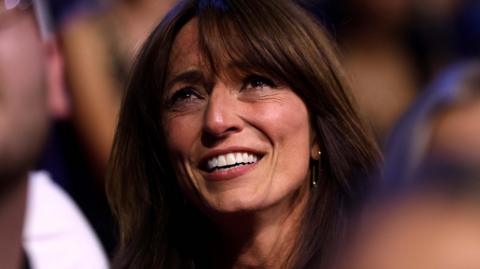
12, 214
263, 239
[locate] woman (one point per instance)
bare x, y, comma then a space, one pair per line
237, 145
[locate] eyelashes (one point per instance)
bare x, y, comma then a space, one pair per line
193, 94
184, 96
257, 82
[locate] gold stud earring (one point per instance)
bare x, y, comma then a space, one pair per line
315, 152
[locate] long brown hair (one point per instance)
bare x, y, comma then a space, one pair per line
275, 38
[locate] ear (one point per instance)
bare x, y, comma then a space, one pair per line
58, 101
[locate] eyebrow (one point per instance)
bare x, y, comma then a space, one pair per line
190, 76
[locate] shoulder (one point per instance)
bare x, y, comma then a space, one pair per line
56, 234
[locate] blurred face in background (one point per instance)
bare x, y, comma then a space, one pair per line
23, 80
456, 133
425, 231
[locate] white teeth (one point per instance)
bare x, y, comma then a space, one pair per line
238, 158
213, 162
221, 161
230, 159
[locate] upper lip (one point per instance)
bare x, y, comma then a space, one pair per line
213, 153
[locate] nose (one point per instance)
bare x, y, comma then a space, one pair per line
222, 115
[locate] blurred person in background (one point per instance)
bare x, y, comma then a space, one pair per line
99, 48
40, 226
372, 36
427, 213
442, 123
393, 49
98, 40
430, 223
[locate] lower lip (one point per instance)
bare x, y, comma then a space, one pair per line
228, 174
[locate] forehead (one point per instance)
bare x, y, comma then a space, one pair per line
215, 54
185, 51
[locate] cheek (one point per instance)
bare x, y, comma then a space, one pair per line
182, 132
22, 54
285, 122
293, 138
287, 126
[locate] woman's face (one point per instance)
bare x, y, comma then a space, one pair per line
237, 144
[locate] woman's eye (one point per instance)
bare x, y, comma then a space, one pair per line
184, 96
258, 82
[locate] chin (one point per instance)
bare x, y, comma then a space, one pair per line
235, 204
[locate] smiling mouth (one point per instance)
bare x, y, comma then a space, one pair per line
230, 160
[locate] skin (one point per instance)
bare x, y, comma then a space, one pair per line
22, 85
31, 77
255, 205
455, 133
425, 231
30, 92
